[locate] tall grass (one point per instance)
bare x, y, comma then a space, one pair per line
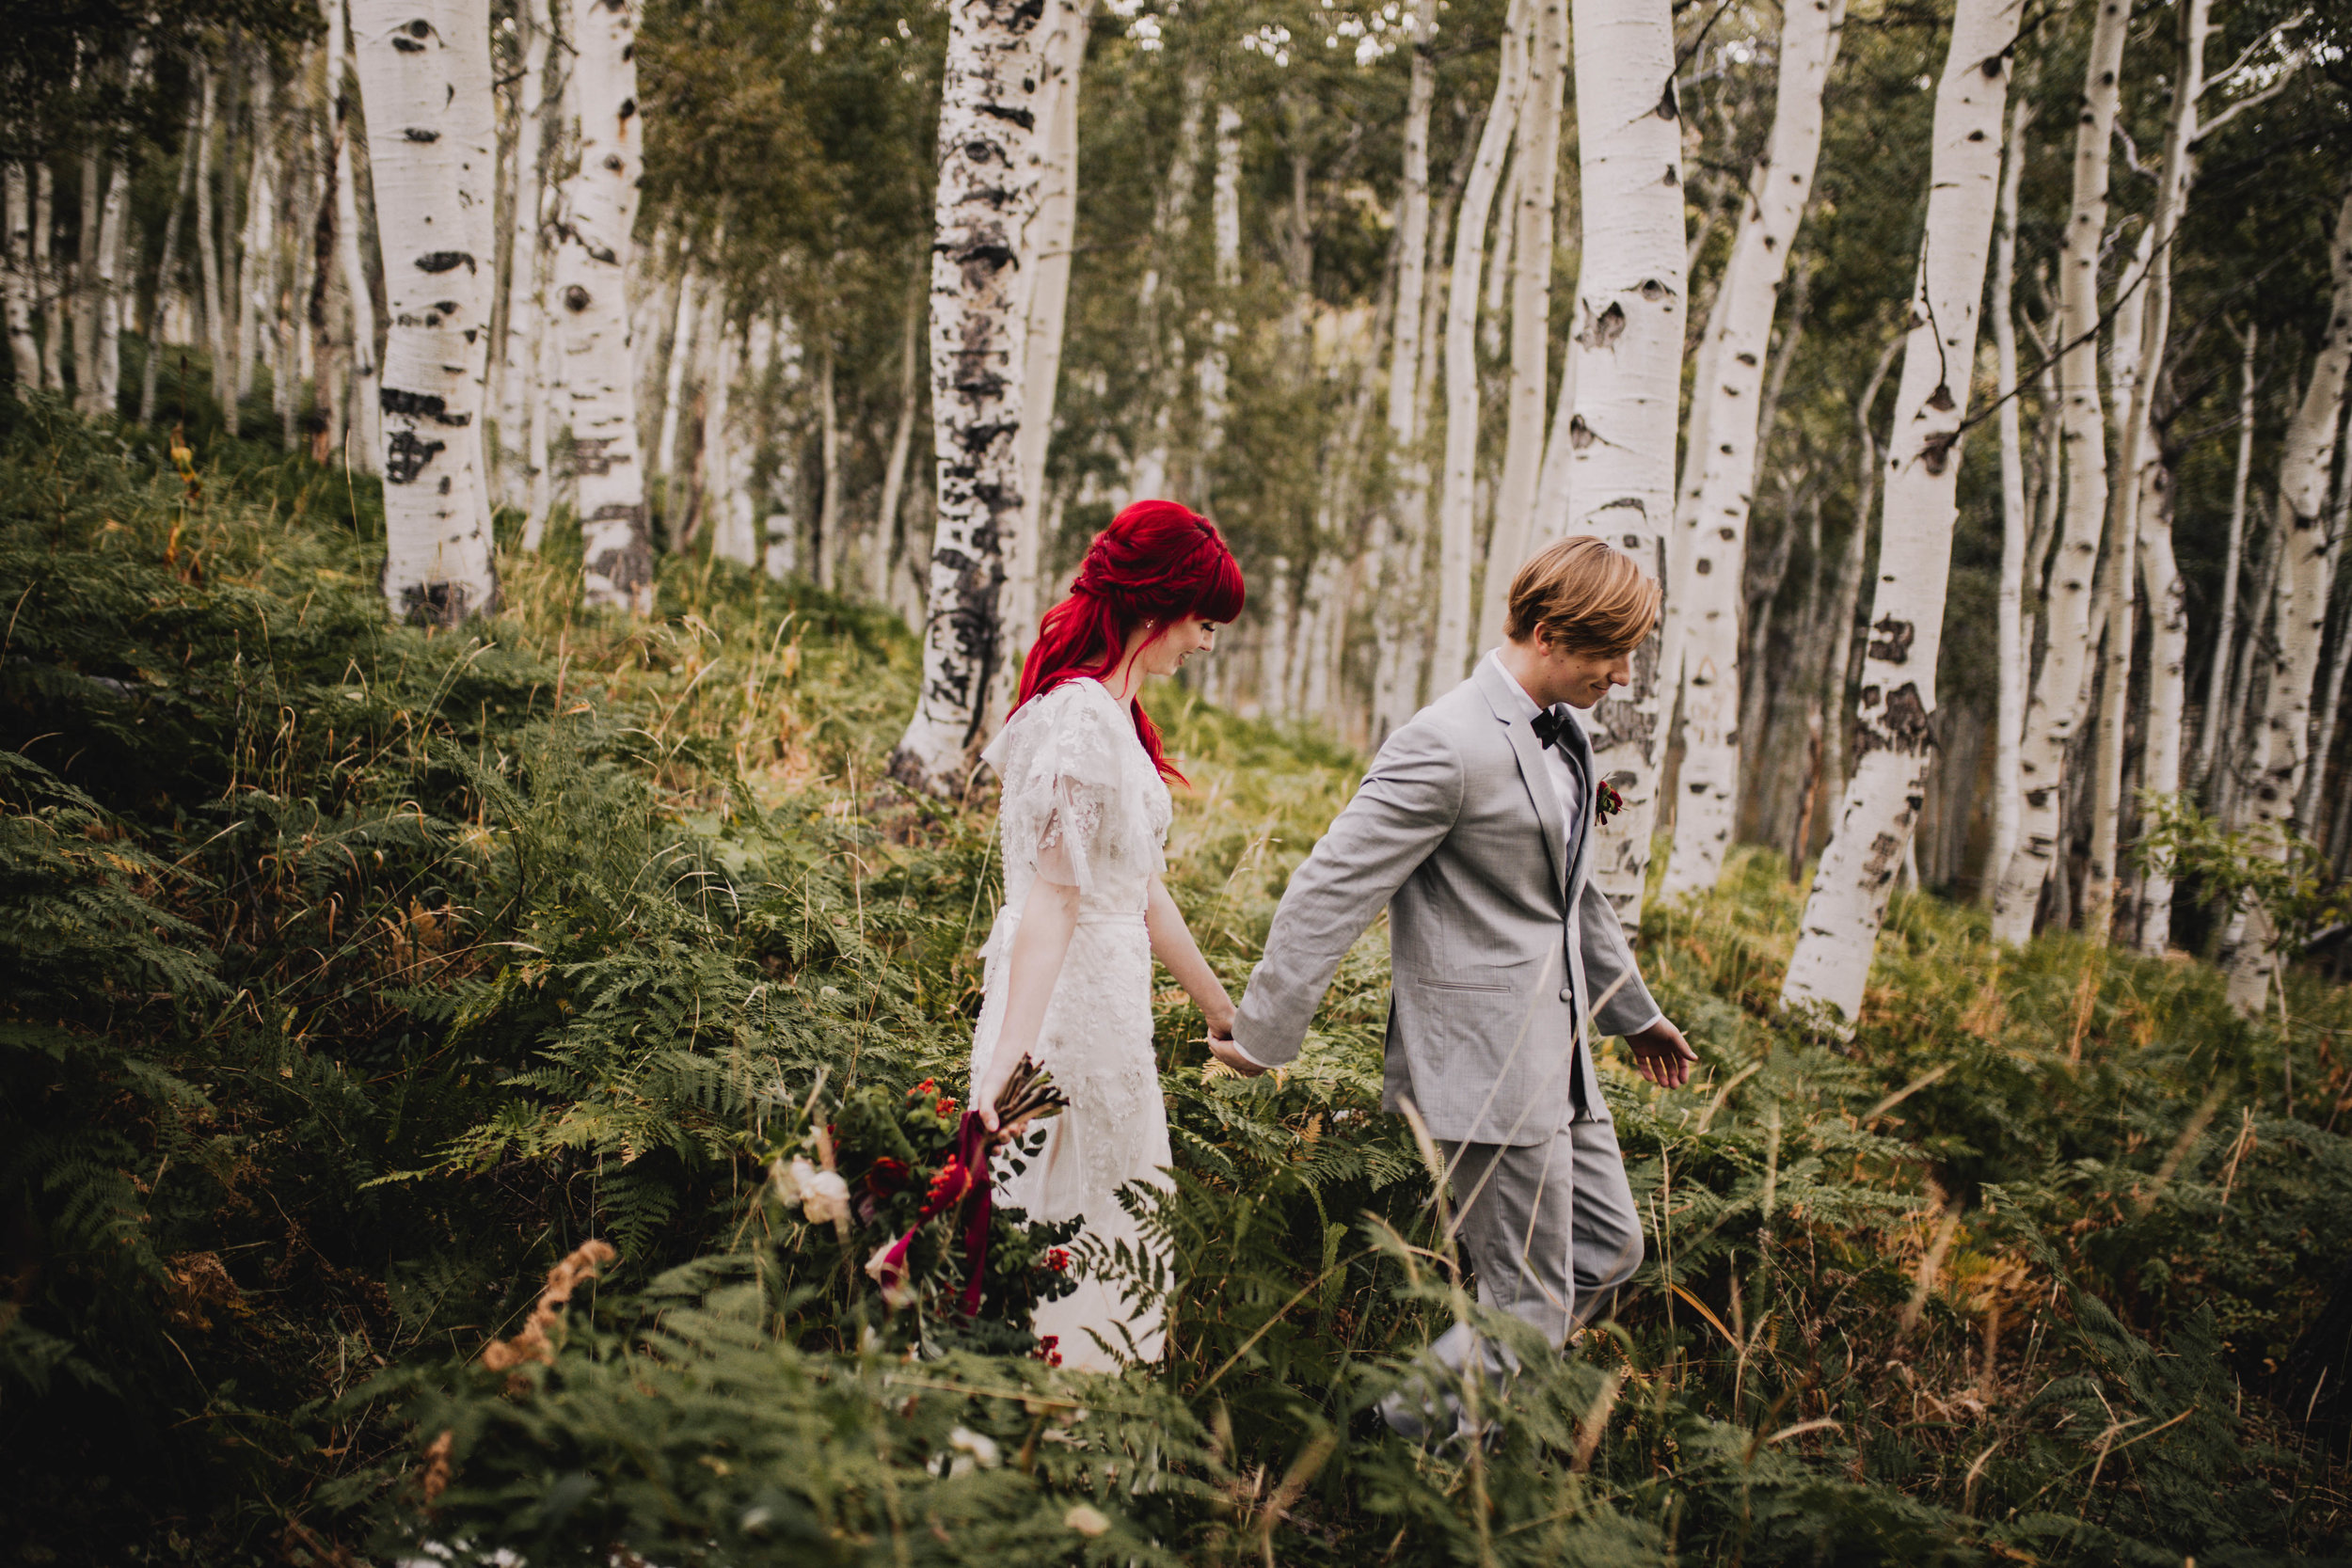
364, 973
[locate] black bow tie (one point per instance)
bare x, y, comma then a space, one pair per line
1553, 725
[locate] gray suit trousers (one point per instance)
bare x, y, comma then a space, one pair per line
1550, 1233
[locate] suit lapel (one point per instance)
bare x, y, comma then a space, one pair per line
1583, 868
1506, 701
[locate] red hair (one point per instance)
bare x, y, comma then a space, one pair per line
1157, 562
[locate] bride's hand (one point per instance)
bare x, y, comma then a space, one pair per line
1225, 1050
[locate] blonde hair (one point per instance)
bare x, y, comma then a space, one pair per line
1586, 595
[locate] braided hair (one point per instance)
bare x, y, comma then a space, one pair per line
1157, 562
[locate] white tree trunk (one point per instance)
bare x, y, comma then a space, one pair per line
595, 251
2057, 706
828, 551
1894, 725
1046, 253
2225, 638
254, 269
683, 342
1274, 658
424, 69
1397, 627
526, 288
731, 537
2168, 685
1456, 505
2307, 560
889, 522
2122, 582
1630, 295
2012, 638
105, 371
1511, 537
364, 441
51, 290
988, 181
1729, 451
24, 350
207, 244
86, 292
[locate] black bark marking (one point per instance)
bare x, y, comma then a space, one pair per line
576, 299
1891, 640
444, 260
1602, 331
418, 133
1022, 118
1667, 107
420, 406
1654, 291
405, 457
1904, 727
1580, 434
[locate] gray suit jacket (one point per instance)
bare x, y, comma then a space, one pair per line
1459, 828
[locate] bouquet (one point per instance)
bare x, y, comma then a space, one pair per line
893, 1185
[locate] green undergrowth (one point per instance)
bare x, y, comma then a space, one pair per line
360, 974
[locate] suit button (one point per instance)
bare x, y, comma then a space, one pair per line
1567, 993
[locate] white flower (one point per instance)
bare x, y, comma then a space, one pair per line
1086, 1520
825, 1197
891, 1274
981, 1447
822, 1195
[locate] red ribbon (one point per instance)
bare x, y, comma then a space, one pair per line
962, 1182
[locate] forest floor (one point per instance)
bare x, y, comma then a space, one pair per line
362, 974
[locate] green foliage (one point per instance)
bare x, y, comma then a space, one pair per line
362, 975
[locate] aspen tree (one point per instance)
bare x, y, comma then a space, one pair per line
18, 282
364, 440
2168, 685
84, 310
2217, 676
2122, 572
595, 251
526, 286
1457, 535
1062, 56
2057, 706
1894, 723
1714, 522
2012, 642
1629, 329
1512, 538
425, 70
1397, 631
988, 179
888, 520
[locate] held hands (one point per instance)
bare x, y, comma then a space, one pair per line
1661, 1054
1220, 1040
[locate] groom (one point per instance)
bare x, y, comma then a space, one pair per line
1475, 828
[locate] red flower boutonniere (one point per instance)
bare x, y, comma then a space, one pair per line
1607, 803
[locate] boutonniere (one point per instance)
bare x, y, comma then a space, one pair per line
1607, 803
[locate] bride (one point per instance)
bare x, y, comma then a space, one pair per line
1084, 818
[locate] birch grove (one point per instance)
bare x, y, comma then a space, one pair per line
1715, 521
988, 181
1352, 355
1628, 324
1838, 931
424, 75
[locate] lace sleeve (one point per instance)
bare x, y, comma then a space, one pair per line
1071, 806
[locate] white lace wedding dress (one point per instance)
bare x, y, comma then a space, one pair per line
1082, 806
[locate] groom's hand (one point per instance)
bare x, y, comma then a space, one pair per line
1661, 1054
